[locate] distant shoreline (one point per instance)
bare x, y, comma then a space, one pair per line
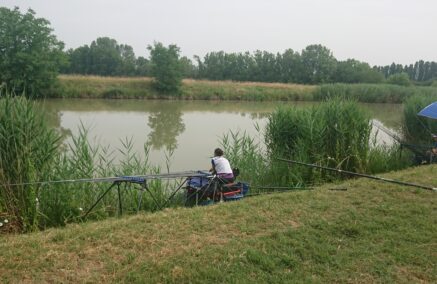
79, 86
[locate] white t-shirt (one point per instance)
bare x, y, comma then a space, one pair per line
221, 165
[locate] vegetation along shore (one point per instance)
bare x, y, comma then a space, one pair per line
79, 86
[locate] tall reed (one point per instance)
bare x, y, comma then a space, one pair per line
65, 202
372, 93
417, 129
335, 133
28, 150
247, 154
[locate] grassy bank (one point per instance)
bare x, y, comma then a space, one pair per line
72, 86
373, 232
141, 88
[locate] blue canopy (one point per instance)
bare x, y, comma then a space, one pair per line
430, 111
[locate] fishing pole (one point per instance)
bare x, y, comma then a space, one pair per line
132, 179
359, 175
416, 149
278, 190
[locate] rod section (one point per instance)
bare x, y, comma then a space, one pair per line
360, 175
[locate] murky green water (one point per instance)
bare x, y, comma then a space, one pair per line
187, 131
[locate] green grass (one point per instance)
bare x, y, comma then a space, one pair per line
373, 232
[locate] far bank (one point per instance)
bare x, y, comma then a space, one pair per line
76, 86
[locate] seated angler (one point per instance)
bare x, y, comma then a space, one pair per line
222, 167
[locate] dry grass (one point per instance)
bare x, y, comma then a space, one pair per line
250, 84
78, 86
101, 79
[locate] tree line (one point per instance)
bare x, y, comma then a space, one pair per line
313, 65
31, 57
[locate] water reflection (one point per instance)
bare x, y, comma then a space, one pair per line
165, 126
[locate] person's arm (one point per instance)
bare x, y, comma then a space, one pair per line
212, 170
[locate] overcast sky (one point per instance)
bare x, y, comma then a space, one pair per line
375, 31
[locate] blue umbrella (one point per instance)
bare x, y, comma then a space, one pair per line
430, 111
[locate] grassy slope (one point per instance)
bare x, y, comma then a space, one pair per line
72, 86
78, 86
373, 232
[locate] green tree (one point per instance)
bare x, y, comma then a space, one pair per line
401, 79
79, 60
290, 64
128, 60
354, 71
142, 66
166, 67
318, 64
188, 68
30, 54
105, 57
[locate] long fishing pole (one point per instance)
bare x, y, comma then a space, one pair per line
360, 175
133, 179
384, 129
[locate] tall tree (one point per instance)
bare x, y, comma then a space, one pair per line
188, 68
318, 64
290, 65
128, 60
354, 71
166, 67
105, 57
142, 67
30, 54
79, 60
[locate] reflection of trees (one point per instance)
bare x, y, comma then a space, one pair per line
166, 124
53, 119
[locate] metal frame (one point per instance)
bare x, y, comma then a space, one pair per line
141, 180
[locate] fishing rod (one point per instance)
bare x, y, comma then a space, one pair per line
360, 175
278, 190
132, 179
387, 131
418, 150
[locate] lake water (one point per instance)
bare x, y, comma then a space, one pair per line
187, 131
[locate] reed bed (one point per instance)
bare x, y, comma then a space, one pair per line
246, 154
31, 152
372, 93
336, 134
27, 153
